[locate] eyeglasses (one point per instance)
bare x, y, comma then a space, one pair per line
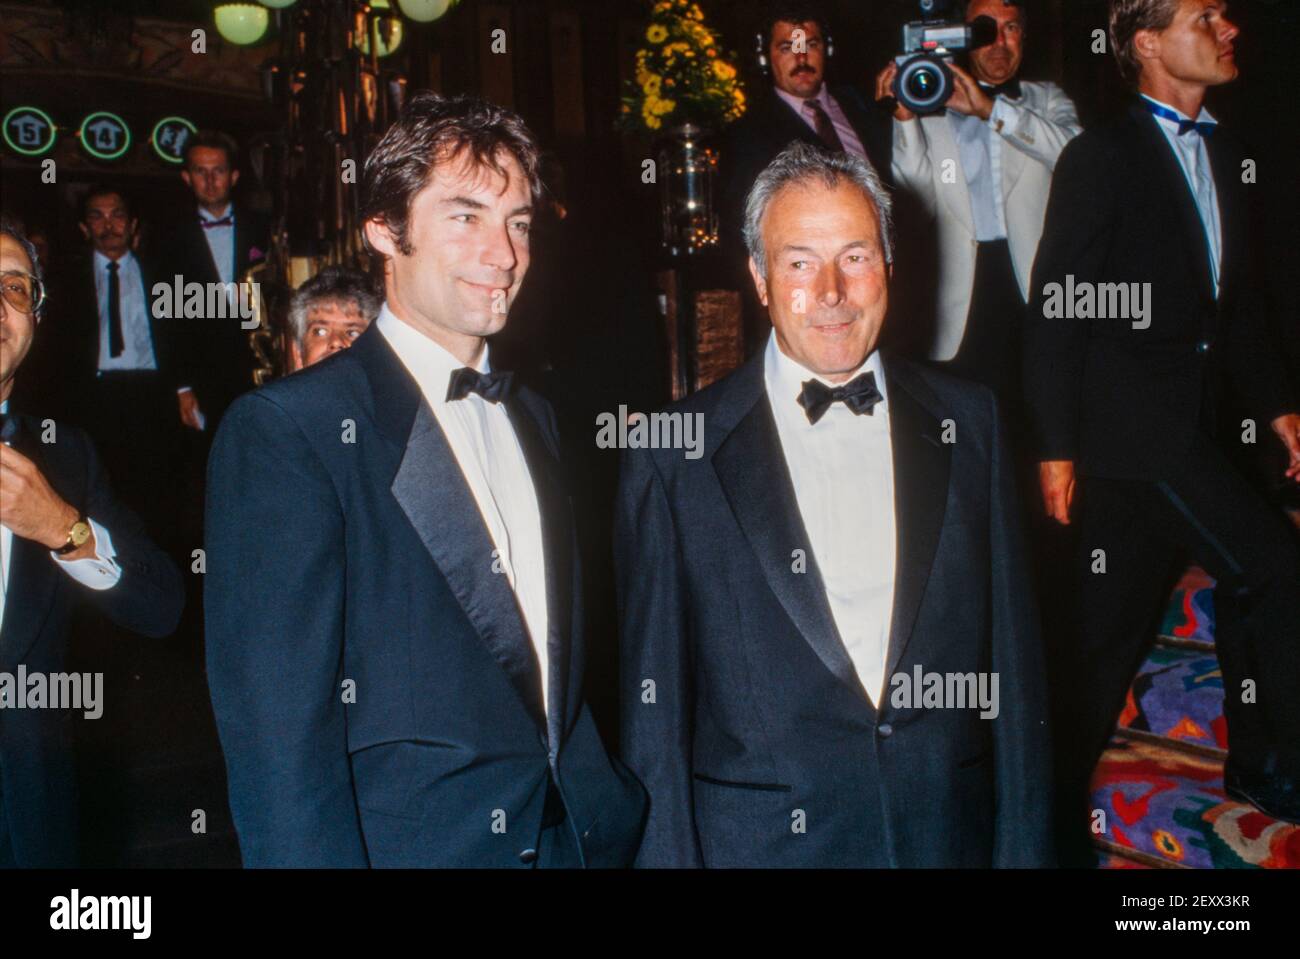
22, 291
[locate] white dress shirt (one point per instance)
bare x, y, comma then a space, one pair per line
842, 468
96, 572
487, 450
221, 241
1194, 158
979, 146
843, 129
137, 340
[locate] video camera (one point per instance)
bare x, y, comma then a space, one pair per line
924, 82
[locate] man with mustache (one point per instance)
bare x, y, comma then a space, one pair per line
986, 214
852, 525
112, 359
393, 598
797, 104
1128, 416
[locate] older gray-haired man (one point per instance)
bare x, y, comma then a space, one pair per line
328, 312
818, 615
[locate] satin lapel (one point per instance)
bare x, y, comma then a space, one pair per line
32, 575
1225, 168
557, 538
956, 195
921, 465
752, 469
433, 494
1170, 173
201, 253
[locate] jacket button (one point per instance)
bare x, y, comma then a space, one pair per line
528, 857
884, 730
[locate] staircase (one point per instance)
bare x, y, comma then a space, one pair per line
1160, 781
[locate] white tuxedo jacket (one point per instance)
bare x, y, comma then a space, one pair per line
1035, 129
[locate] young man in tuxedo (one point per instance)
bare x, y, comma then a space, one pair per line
1005, 135
395, 630
112, 363
1127, 408
850, 526
215, 242
64, 540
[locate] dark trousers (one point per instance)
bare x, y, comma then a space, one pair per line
1207, 510
134, 418
990, 347
7, 860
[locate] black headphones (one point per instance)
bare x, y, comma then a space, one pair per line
762, 42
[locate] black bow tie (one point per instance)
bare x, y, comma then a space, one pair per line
227, 220
859, 394
493, 387
1011, 89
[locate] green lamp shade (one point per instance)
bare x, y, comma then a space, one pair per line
277, 4
241, 23
425, 11
382, 49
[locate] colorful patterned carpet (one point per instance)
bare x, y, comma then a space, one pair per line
1160, 781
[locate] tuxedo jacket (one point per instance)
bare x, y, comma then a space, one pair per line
1042, 121
1125, 402
366, 565
767, 128
37, 784
213, 357
742, 713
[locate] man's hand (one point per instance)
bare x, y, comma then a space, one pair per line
1287, 427
31, 508
885, 88
968, 96
189, 407
1056, 478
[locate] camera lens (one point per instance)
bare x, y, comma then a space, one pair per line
922, 84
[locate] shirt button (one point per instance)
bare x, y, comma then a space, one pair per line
1203, 347
528, 857
884, 730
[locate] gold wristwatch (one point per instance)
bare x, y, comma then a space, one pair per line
78, 533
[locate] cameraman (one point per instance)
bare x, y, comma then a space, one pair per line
1005, 136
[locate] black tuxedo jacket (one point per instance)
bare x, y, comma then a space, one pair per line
768, 127
757, 713
37, 786
332, 562
1125, 402
213, 356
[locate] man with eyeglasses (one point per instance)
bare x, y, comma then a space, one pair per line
64, 540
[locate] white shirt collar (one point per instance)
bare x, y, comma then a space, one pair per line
101, 261
1203, 117
429, 362
205, 215
786, 377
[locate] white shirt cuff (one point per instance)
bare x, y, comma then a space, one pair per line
94, 572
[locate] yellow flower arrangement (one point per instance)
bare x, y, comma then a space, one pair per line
681, 75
